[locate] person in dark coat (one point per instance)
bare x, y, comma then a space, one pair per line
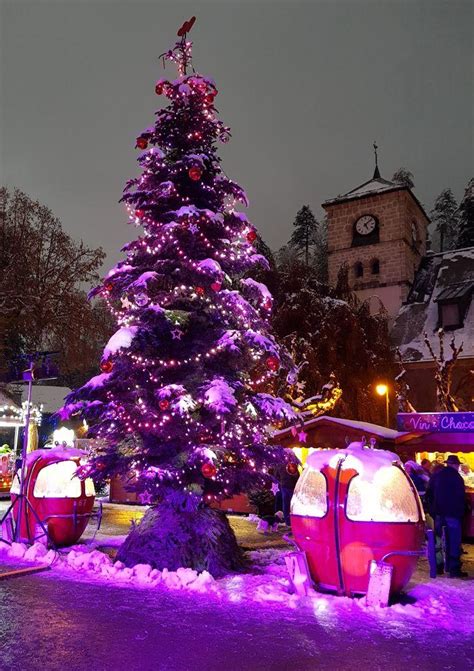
416, 474
287, 477
446, 497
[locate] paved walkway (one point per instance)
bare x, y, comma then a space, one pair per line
51, 622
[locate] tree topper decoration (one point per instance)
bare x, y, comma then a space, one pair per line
181, 52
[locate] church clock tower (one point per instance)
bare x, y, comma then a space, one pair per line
379, 230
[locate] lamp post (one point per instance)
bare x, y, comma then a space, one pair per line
382, 390
20, 498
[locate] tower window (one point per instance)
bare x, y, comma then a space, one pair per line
359, 269
375, 266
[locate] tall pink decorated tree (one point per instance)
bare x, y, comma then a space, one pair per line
179, 409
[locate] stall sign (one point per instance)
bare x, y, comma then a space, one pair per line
441, 422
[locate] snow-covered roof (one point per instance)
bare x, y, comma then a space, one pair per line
7, 400
365, 428
50, 397
376, 185
441, 277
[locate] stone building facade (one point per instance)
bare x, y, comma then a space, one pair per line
379, 230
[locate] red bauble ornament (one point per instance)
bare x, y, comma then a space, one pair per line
273, 363
109, 287
208, 470
209, 98
216, 286
139, 213
195, 173
268, 304
159, 88
142, 142
199, 291
251, 236
201, 85
106, 366
291, 468
164, 404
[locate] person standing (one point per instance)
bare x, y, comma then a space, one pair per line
417, 475
447, 501
426, 465
287, 478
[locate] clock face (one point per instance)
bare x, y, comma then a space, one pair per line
365, 224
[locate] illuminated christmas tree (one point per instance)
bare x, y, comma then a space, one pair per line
180, 409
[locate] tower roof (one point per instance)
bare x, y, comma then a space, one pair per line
376, 185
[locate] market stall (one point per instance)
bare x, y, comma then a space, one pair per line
436, 435
418, 436
333, 433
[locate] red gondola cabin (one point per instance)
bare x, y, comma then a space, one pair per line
61, 500
351, 506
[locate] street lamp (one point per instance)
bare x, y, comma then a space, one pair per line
382, 390
44, 372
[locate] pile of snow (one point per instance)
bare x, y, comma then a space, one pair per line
97, 381
94, 563
440, 604
367, 461
122, 339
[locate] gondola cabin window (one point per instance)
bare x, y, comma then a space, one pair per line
59, 481
310, 497
388, 497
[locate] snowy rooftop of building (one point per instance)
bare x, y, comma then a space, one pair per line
50, 397
443, 277
376, 185
366, 428
7, 400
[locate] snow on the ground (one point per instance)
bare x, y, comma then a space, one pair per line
441, 604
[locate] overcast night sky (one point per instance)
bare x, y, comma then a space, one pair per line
305, 86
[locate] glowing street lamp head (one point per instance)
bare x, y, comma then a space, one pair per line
381, 389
